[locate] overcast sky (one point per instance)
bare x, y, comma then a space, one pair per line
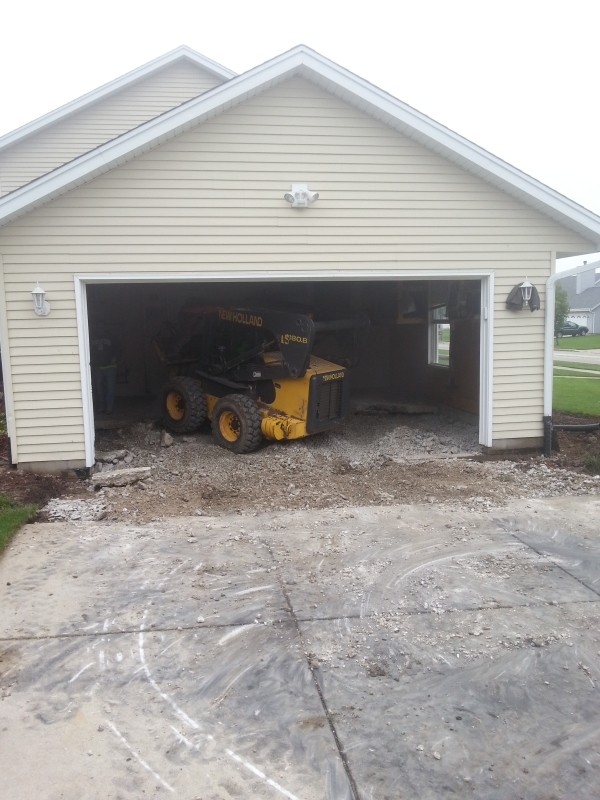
518, 78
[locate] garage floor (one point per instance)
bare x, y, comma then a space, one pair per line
382, 652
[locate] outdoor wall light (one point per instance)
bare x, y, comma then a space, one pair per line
526, 288
300, 196
523, 295
40, 304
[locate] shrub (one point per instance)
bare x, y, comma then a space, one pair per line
592, 463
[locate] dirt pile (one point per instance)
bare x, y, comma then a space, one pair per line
379, 459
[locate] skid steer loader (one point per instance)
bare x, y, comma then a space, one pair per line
252, 372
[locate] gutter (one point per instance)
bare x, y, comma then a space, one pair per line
549, 350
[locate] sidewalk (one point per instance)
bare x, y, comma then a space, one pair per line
578, 356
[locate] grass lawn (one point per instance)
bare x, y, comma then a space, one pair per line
577, 365
577, 395
589, 342
12, 516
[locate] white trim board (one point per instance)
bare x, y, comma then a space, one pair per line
348, 87
107, 89
7, 369
485, 346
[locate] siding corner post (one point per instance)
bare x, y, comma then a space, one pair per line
7, 370
486, 361
84, 368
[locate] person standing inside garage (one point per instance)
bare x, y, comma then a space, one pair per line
105, 350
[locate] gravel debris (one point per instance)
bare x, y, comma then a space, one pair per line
375, 459
59, 510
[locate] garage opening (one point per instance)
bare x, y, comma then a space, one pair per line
422, 352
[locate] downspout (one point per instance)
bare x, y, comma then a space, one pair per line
549, 349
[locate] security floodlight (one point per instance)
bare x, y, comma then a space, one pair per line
300, 196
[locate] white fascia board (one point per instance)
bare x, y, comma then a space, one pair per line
114, 86
452, 146
335, 79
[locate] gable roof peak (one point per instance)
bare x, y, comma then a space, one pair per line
338, 81
179, 53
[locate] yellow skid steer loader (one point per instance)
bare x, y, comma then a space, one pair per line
253, 374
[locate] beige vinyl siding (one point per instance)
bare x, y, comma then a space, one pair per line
212, 200
83, 130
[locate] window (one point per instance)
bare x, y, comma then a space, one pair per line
439, 337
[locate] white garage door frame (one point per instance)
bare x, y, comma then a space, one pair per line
486, 346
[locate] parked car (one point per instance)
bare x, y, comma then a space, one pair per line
572, 329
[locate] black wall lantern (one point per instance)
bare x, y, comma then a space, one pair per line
522, 295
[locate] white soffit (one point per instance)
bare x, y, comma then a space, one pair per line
350, 88
129, 78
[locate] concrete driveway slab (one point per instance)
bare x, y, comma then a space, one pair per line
565, 533
346, 654
492, 704
382, 562
104, 579
225, 712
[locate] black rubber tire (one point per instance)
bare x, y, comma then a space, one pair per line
559, 335
582, 333
193, 405
249, 417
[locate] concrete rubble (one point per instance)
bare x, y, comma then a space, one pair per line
376, 458
120, 477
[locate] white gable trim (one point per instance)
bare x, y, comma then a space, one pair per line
334, 79
144, 71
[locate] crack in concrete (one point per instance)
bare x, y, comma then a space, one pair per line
335, 618
326, 711
551, 559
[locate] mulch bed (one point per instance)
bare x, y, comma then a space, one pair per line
25, 487
574, 446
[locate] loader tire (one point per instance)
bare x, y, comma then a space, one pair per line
236, 421
183, 405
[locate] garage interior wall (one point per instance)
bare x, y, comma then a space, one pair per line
210, 202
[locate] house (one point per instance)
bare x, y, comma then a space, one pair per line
583, 293
170, 183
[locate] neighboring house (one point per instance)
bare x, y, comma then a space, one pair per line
169, 183
583, 293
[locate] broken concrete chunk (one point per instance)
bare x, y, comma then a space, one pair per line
120, 477
166, 440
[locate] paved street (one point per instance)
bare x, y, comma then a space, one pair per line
391, 652
578, 356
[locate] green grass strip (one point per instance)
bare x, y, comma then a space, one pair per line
580, 396
12, 516
589, 342
577, 365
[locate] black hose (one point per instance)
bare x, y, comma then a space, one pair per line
592, 426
